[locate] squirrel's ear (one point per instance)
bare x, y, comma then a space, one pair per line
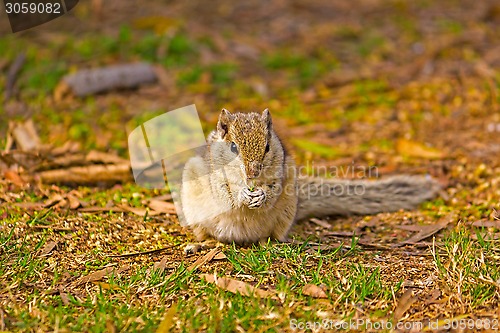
224, 118
266, 116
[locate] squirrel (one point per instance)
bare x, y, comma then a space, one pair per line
245, 188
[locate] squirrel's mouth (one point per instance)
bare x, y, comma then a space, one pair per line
253, 184
250, 184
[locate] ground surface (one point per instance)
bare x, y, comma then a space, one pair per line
404, 87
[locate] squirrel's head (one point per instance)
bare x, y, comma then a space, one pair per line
248, 135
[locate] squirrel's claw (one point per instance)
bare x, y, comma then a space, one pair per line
252, 199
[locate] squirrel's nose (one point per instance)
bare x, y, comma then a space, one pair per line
253, 170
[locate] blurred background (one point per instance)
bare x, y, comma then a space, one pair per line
391, 83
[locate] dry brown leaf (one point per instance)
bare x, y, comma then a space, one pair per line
162, 206
433, 296
409, 227
105, 285
98, 275
28, 205
237, 287
314, 291
47, 248
321, 223
220, 256
161, 265
404, 303
53, 200
168, 321
110, 326
14, 178
25, 135
64, 298
62, 203
487, 224
202, 260
489, 236
139, 211
426, 231
416, 149
74, 203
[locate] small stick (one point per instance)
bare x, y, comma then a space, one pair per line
12, 75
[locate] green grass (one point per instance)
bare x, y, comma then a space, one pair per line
464, 265
304, 69
369, 43
221, 74
317, 149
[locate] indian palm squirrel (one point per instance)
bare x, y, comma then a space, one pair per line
245, 187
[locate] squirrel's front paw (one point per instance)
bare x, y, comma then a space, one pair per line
252, 199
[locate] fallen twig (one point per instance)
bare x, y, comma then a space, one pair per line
127, 255
90, 174
92, 81
12, 75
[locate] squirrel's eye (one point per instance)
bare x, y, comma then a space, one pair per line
234, 148
267, 148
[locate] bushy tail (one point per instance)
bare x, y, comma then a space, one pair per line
322, 197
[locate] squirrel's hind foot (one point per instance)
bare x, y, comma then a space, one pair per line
193, 248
